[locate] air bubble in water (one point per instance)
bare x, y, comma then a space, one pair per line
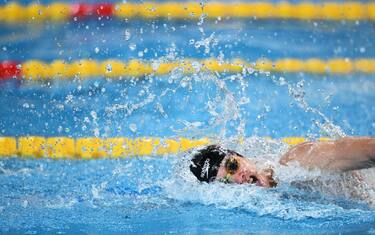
97, 50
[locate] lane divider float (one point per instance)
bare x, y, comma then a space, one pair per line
95, 148
14, 13
85, 68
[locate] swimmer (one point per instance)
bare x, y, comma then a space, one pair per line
214, 163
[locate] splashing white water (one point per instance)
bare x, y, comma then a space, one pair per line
300, 193
326, 127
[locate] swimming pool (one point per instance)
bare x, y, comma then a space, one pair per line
154, 194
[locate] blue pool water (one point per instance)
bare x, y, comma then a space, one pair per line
155, 194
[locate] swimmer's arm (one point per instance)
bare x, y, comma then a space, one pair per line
349, 153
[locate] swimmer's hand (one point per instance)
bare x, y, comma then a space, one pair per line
349, 153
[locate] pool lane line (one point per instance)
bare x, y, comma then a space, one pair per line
85, 68
95, 148
14, 13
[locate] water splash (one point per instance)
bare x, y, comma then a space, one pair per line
300, 194
327, 127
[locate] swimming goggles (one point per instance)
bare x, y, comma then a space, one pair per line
231, 166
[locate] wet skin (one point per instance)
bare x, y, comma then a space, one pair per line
247, 172
346, 154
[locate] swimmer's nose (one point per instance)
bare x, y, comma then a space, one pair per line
244, 177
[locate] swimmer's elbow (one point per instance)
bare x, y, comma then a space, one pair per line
355, 153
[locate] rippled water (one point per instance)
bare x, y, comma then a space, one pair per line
147, 195
158, 194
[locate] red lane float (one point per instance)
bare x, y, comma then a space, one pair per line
83, 10
103, 9
9, 69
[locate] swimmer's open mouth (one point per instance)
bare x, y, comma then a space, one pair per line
253, 179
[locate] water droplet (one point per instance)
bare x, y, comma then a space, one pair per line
132, 46
196, 65
282, 81
197, 45
94, 115
108, 68
267, 108
133, 127
96, 132
155, 65
127, 35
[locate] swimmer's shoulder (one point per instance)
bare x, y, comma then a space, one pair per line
296, 152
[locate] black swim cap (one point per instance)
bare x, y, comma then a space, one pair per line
206, 163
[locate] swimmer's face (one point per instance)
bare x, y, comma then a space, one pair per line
240, 170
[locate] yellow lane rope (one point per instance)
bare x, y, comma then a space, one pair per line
93, 148
58, 69
15, 13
